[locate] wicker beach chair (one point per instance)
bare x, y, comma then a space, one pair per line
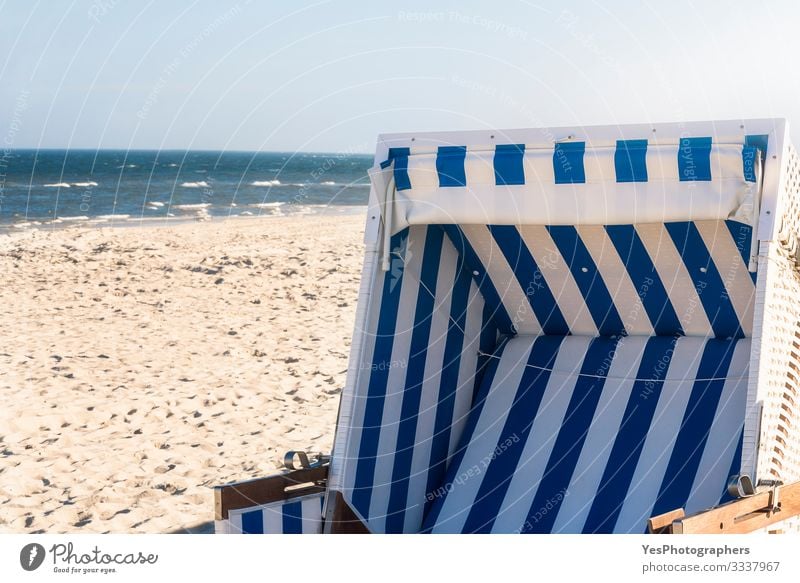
571, 330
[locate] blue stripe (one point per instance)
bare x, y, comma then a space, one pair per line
450, 165
587, 277
645, 279
481, 277
293, 518
517, 427
630, 161
400, 158
530, 279
448, 383
487, 342
469, 430
706, 278
568, 162
694, 159
759, 141
629, 442
736, 467
252, 522
379, 376
415, 377
574, 428
508, 167
749, 154
697, 420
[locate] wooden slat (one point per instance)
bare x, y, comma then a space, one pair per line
271, 489
741, 516
662, 524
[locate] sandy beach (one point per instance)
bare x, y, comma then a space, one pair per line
140, 366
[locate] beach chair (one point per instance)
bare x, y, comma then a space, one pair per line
569, 330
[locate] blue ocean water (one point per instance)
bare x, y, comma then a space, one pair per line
45, 186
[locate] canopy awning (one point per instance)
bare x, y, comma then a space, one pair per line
570, 184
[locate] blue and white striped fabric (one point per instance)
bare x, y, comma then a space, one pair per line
688, 278
452, 291
573, 434
573, 183
301, 515
426, 326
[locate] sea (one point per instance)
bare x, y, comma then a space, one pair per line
115, 187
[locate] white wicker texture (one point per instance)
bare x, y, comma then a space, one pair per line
776, 373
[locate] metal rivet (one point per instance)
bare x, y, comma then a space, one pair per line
413, 139
703, 269
491, 137
475, 273
585, 269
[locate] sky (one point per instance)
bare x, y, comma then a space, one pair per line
331, 75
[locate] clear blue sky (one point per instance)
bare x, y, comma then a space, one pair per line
329, 76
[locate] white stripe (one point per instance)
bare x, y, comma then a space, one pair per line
272, 517
398, 367
723, 438
234, 522
675, 278
732, 270
555, 271
661, 437
312, 515
539, 445
599, 166
626, 298
479, 167
362, 384
503, 278
606, 422
467, 482
467, 366
422, 172
426, 419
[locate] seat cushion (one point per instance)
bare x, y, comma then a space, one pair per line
586, 434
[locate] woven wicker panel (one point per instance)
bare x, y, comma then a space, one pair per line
776, 373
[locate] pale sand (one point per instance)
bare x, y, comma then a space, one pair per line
141, 366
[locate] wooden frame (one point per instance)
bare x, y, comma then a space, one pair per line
738, 517
270, 489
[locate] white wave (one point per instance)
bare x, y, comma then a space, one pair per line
201, 184
328, 183
128, 166
26, 225
266, 183
113, 217
200, 171
267, 205
84, 184
172, 165
78, 218
191, 207
234, 204
58, 185
246, 213
155, 203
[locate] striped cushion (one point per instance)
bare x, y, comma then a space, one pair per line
576, 434
416, 379
688, 278
296, 516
